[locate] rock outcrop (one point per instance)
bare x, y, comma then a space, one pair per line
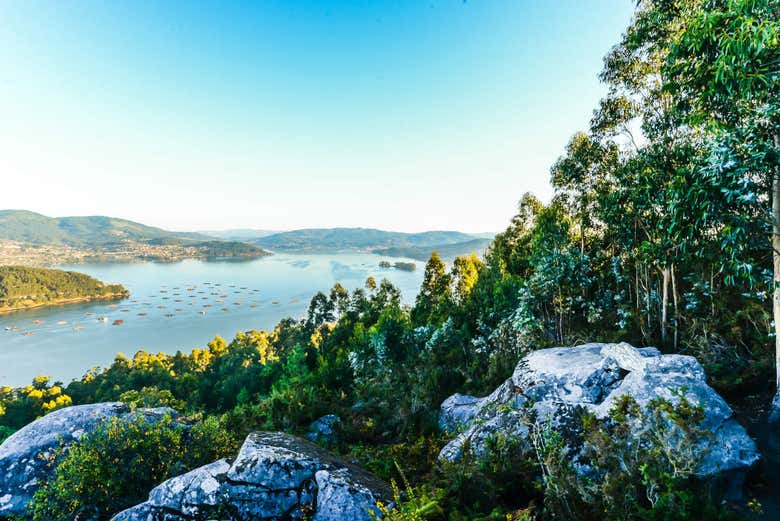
551, 383
24, 456
325, 430
275, 476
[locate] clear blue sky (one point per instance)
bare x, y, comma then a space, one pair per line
281, 114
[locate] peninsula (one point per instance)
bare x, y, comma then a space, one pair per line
24, 288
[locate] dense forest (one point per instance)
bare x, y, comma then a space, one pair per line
22, 287
664, 231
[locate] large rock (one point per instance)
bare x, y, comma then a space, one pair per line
325, 430
551, 383
275, 476
25, 455
457, 411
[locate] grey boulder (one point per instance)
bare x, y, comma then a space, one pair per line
552, 383
325, 430
275, 476
457, 412
25, 455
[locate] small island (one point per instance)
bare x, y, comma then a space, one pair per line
24, 288
403, 266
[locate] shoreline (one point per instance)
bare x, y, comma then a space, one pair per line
29, 255
65, 302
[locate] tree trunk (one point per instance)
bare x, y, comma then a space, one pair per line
636, 288
647, 303
775, 412
712, 291
664, 302
676, 311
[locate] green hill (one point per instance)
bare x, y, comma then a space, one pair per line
238, 234
447, 252
358, 239
23, 287
90, 231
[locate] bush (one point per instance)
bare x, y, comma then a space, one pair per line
116, 466
151, 397
638, 464
5, 432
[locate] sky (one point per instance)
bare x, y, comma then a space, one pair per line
403, 115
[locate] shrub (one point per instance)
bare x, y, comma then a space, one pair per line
636, 464
151, 397
115, 466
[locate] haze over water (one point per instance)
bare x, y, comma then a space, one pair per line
266, 290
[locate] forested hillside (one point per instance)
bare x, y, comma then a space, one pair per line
22, 287
660, 233
363, 239
447, 252
37, 240
91, 231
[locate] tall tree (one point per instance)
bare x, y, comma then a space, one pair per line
435, 294
724, 66
580, 175
465, 272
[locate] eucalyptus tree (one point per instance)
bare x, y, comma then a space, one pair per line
581, 174
723, 67
435, 295
638, 116
464, 274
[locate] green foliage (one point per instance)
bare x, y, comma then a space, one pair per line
19, 406
412, 507
5, 432
115, 466
434, 295
92, 231
22, 287
656, 235
151, 397
639, 463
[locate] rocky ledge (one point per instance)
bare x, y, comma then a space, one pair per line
552, 383
275, 476
25, 455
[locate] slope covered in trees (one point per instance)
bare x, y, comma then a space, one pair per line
446, 251
22, 287
363, 239
91, 231
660, 233
38, 240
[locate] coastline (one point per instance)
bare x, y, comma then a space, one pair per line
64, 302
47, 256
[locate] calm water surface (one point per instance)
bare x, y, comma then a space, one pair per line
177, 306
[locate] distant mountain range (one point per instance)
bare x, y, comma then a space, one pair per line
99, 232
81, 232
336, 239
239, 234
449, 244
97, 237
446, 251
